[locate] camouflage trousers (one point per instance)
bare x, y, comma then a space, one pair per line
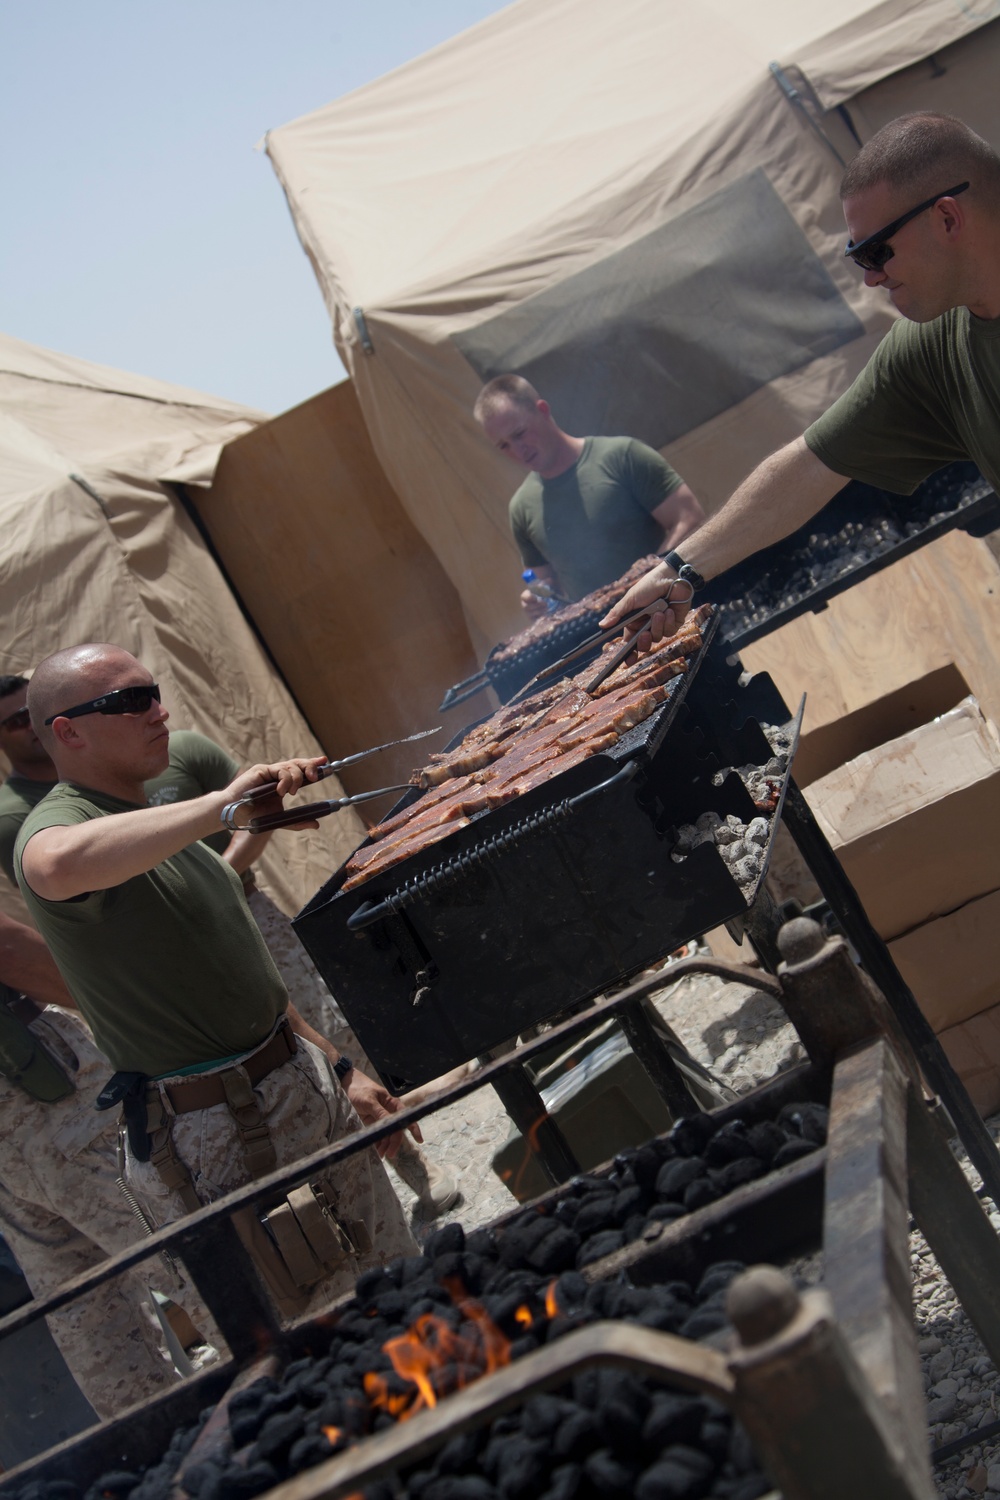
62, 1213
304, 1108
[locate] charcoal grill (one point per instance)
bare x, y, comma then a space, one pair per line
860, 531
536, 907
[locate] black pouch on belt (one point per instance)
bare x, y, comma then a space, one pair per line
129, 1090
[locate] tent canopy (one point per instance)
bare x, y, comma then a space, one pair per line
95, 547
624, 204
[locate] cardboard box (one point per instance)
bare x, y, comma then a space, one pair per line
973, 1049
952, 965
916, 821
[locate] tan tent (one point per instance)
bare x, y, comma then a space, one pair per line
636, 206
95, 545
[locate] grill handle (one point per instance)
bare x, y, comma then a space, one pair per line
461, 864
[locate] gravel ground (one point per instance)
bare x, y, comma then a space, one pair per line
744, 1037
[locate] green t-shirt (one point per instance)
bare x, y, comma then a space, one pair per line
18, 796
169, 967
197, 765
593, 521
929, 395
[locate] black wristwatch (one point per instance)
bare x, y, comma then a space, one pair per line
684, 570
342, 1067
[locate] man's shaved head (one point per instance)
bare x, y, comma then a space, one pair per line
69, 677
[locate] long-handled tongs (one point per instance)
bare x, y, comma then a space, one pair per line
260, 793
306, 813
598, 639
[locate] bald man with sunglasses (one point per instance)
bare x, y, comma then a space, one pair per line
219, 1078
922, 204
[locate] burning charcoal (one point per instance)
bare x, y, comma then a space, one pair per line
567, 1209
241, 1484
629, 1201
596, 1213
571, 1291
700, 1193
521, 1467
461, 1452
624, 1301
557, 1251
681, 1474
450, 1265
114, 1486
565, 1482
414, 1270
793, 1150
690, 1134
197, 1479
521, 1236
543, 1414
674, 1177
736, 1173
312, 1449
703, 1321
277, 1436
598, 1246
807, 1120
459, 1487
576, 1437
609, 1475
708, 820
480, 1242
672, 1419
765, 1140
252, 1398
645, 1166
757, 832
450, 1237
729, 1143
525, 1343
665, 1315
666, 1213
718, 1277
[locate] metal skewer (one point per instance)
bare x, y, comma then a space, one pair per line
328, 767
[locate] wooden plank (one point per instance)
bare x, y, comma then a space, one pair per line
865, 1237
954, 1222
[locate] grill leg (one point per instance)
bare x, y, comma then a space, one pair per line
541, 1134
931, 1057
762, 924
655, 1058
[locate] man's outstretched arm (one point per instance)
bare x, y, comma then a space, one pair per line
780, 495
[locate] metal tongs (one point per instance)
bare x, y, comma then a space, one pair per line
307, 813
312, 810
600, 638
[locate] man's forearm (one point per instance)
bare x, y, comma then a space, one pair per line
780, 495
244, 848
69, 860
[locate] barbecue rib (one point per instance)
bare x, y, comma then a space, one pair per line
521, 747
597, 604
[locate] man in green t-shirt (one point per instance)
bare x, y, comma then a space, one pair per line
922, 204
151, 933
32, 773
590, 506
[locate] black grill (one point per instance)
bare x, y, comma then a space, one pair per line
537, 906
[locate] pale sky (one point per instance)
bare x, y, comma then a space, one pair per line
140, 228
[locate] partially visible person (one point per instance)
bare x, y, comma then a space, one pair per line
922, 204
61, 1210
32, 772
590, 505
154, 939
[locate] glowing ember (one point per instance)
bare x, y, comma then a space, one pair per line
433, 1359
523, 1316
332, 1435
552, 1308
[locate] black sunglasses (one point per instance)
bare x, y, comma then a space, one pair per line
130, 700
872, 253
19, 720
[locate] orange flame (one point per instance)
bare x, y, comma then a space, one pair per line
523, 1316
332, 1435
433, 1359
552, 1308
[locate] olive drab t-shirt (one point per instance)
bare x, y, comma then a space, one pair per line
197, 765
169, 967
18, 796
593, 521
929, 395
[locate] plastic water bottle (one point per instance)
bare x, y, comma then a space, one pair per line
543, 591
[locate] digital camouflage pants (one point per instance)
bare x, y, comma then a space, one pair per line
61, 1213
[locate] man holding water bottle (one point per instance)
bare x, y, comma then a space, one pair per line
590, 506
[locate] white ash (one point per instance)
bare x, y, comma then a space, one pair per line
741, 845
